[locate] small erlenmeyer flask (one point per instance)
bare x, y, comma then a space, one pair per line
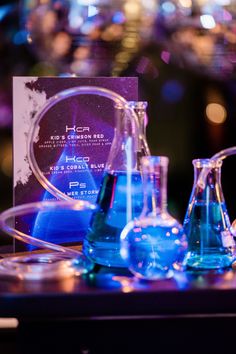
120, 197
207, 224
154, 244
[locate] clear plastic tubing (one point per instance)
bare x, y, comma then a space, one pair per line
24, 209
80, 90
65, 262
219, 155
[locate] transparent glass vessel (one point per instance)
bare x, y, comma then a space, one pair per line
207, 224
120, 197
154, 244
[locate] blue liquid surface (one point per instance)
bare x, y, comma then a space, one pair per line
154, 247
102, 242
210, 242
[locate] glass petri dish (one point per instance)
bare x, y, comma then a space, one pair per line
63, 262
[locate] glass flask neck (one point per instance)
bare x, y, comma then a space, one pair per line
155, 169
140, 108
129, 143
213, 189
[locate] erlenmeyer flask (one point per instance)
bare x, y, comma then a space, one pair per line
120, 198
207, 224
154, 244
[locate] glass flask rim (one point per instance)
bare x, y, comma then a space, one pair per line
207, 162
153, 159
138, 104
131, 104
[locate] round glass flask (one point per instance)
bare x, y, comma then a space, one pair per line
207, 224
154, 244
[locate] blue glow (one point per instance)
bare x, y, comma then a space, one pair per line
102, 243
87, 2
103, 280
206, 227
4, 10
172, 91
153, 248
20, 37
207, 21
87, 27
67, 226
75, 18
118, 17
223, 2
92, 11
168, 7
65, 74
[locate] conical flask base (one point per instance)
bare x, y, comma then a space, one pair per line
209, 261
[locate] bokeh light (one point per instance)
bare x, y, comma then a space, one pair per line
172, 91
6, 159
112, 33
200, 34
216, 113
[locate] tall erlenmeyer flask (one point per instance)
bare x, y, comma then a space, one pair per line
207, 223
120, 198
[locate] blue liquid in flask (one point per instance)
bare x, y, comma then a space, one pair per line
209, 239
102, 242
155, 247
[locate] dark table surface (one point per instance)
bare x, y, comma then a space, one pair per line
108, 311
114, 293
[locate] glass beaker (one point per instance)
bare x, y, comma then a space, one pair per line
207, 224
120, 198
154, 244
